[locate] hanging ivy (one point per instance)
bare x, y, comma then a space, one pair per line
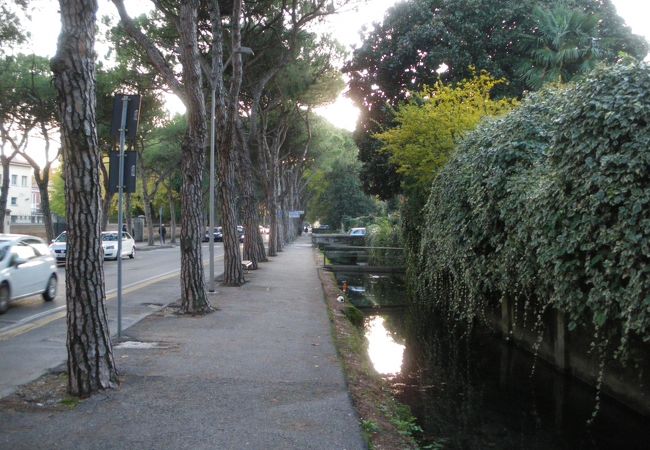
550, 206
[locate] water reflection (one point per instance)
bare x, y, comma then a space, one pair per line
471, 390
474, 391
386, 354
367, 290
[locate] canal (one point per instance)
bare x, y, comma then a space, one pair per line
472, 390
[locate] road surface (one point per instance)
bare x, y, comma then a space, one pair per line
33, 332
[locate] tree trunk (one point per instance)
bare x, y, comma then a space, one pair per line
146, 198
194, 299
251, 221
42, 178
277, 198
127, 213
172, 215
45, 203
233, 274
91, 366
107, 198
4, 190
273, 225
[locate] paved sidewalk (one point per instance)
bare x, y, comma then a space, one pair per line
259, 373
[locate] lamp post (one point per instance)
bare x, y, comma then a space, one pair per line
211, 206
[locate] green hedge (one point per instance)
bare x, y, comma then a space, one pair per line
549, 205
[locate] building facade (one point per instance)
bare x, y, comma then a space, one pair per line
23, 199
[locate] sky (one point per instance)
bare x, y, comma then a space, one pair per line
345, 26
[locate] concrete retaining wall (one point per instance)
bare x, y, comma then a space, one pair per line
572, 352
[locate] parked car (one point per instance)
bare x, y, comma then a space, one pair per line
217, 235
240, 233
27, 267
358, 231
109, 244
58, 247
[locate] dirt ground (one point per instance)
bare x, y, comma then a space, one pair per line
48, 393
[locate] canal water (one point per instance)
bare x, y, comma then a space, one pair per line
473, 390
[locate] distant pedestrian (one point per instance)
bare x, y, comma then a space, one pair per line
163, 233
124, 228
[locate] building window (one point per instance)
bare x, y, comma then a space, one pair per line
14, 201
14, 180
23, 181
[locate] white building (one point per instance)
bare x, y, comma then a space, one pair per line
23, 199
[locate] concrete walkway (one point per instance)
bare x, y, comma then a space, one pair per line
259, 373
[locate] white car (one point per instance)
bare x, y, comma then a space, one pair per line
58, 247
27, 268
361, 231
109, 244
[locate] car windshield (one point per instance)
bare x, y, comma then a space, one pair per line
63, 237
109, 237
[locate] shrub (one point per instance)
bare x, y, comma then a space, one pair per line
551, 202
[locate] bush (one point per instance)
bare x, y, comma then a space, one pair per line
550, 203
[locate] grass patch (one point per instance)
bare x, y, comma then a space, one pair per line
353, 315
70, 402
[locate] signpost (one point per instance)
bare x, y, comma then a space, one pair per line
124, 124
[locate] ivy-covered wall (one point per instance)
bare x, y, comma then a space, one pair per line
549, 207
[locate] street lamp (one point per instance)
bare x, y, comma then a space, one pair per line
243, 51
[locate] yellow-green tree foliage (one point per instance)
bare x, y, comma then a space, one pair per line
431, 124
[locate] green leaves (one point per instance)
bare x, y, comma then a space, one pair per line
550, 204
560, 46
333, 179
434, 121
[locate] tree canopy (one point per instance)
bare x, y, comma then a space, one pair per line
432, 123
11, 30
333, 184
419, 39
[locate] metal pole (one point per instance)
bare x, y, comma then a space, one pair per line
211, 205
120, 219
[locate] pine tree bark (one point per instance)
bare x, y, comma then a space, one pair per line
107, 198
193, 293
127, 213
277, 198
91, 366
172, 215
4, 189
146, 199
194, 298
42, 183
251, 220
233, 274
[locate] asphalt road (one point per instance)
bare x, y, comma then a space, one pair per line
33, 333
